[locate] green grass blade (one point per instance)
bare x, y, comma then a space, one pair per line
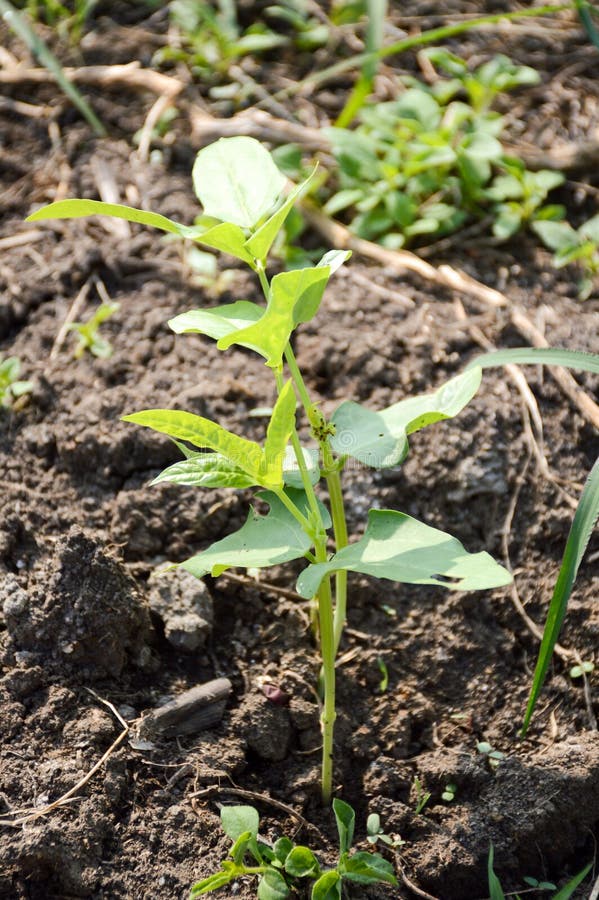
566, 892
377, 10
584, 10
495, 889
550, 356
21, 27
584, 521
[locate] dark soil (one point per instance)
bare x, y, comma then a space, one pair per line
86, 631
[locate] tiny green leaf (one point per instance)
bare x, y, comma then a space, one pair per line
219, 321
237, 820
301, 863
282, 848
328, 886
400, 548
237, 181
346, 820
280, 428
373, 826
262, 541
212, 883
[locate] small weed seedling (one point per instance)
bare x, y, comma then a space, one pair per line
286, 865
583, 668
533, 885
421, 796
573, 246
245, 206
10, 386
375, 833
449, 793
88, 333
494, 757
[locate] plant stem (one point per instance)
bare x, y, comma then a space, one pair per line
327, 650
340, 532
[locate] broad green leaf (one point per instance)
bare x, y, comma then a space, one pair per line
301, 863
260, 243
219, 321
291, 472
400, 548
205, 470
262, 541
282, 848
556, 235
328, 886
345, 818
368, 868
590, 229
225, 237
237, 181
77, 209
549, 356
380, 439
201, 432
582, 527
334, 259
237, 820
280, 428
295, 297
272, 886
495, 889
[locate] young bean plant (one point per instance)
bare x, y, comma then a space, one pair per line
245, 205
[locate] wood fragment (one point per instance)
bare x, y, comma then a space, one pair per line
130, 75
23, 237
75, 309
194, 710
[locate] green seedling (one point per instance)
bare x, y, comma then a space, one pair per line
449, 793
570, 245
88, 333
11, 387
494, 757
285, 866
496, 891
422, 797
375, 833
384, 683
585, 668
242, 193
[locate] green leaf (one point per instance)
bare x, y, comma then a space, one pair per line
280, 428
226, 237
346, 820
237, 181
367, 868
301, 863
272, 886
334, 259
380, 439
262, 541
373, 826
239, 848
291, 472
400, 548
212, 883
328, 886
557, 236
568, 890
590, 229
260, 243
282, 848
237, 820
219, 321
582, 527
448, 62
295, 297
549, 356
495, 889
77, 209
205, 470
245, 455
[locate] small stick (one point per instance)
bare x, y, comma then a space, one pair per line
410, 884
72, 314
130, 74
66, 798
23, 237
157, 110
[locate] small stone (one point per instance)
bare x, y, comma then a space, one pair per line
185, 605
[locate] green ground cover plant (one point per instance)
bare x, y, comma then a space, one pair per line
578, 246
11, 386
285, 866
88, 332
244, 207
